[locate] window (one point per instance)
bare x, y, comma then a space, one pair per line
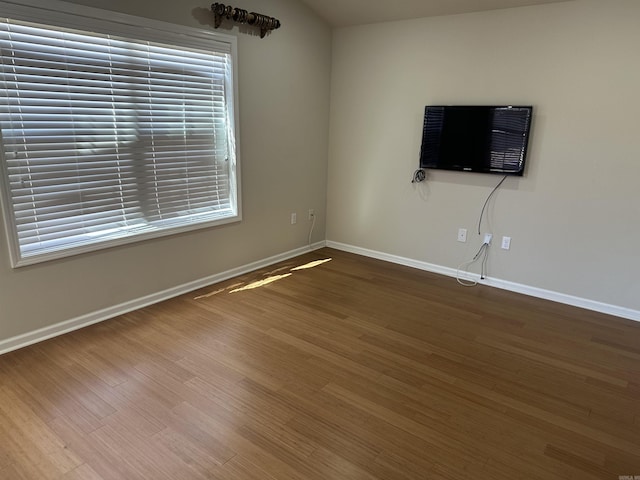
112, 131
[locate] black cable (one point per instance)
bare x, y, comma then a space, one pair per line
487, 201
419, 176
477, 255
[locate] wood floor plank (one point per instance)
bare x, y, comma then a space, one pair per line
83, 472
346, 368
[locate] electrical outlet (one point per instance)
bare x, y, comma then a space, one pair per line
294, 218
312, 214
462, 235
487, 238
506, 243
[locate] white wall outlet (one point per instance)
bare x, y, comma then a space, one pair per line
487, 238
462, 235
506, 243
312, 213
294, 218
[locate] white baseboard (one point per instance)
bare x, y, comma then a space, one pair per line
495, 282
61, 328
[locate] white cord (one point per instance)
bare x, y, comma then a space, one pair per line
460, 281
313, 224
483, 273
465, 283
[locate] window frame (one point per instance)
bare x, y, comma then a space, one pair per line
61, 14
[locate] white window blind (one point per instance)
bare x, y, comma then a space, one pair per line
107, 138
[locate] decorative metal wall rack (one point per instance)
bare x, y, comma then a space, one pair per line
238, 15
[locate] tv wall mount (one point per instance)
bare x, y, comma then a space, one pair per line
238, 15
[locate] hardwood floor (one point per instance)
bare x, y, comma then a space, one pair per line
350, 369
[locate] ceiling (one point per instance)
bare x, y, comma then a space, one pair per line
344, 13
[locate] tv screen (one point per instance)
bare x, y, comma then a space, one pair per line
486, 139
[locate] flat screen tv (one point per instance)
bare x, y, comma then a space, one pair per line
486, 139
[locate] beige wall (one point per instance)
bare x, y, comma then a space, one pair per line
574, 217
284, 111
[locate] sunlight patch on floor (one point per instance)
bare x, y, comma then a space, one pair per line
261, 283
311, 265
215, 292
211, 294
281, 269
238, 287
